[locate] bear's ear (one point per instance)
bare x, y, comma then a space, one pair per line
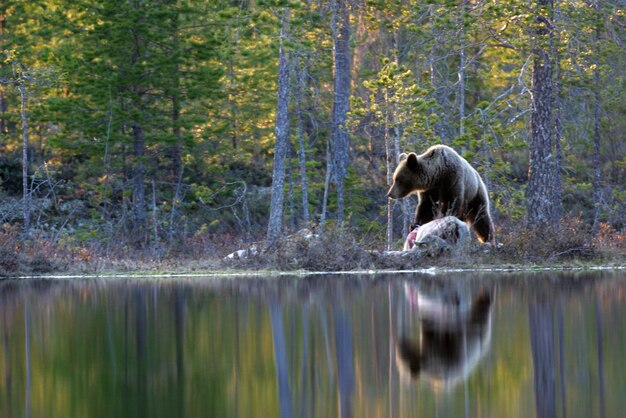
411, 161
402, 157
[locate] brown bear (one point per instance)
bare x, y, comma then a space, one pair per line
447, 185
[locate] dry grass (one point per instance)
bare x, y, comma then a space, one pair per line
572, 243
336, 250
22, 257
570, 239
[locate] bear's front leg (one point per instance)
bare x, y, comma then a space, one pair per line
425, 211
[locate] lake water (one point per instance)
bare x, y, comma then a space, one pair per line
398, 345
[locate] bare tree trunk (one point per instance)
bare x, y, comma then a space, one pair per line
438, 84
301, 143
139, 204
329, 169
155, 229
290, 191
4, 128
177, 148
540, 194
404, 203
389, 158
3, 101
177, 169
26, 192
106, 160
461, 70
282, 135
397, 134
231, 84
597, 181
176, 156
341, 102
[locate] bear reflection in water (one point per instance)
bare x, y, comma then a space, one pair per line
454, 335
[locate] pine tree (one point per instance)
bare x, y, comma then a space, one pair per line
282, 134
341, 103
540, 208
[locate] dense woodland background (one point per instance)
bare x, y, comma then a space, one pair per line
203, 125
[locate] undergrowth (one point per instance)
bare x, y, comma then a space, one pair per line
572, 243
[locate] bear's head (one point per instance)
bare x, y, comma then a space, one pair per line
404, 178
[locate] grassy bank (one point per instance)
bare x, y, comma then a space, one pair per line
570, 245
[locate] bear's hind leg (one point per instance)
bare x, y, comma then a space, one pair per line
483, 228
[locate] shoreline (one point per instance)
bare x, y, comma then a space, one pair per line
269, 274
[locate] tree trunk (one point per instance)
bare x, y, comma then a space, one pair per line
437, 81
155, 225
329, 170
597, 181
461, 70
4, 127
139, 206
177, 171
558, 128
302, 145
405, 204
177, 148
26, 193
290, 192
282, 136
341, 102
3, 101
106, 160
540, 191
389, 158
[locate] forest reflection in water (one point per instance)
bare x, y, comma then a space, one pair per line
478, 345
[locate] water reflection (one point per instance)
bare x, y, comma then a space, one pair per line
454, 334
453, 345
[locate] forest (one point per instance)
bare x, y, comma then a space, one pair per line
177, 129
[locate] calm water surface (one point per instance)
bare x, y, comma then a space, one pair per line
450, 345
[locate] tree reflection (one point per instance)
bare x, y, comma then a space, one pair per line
345, 359
179, 330
280, 358
141, 351
541, 323
599, 337
314, 347
27, 357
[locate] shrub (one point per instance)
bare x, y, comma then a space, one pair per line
569, 239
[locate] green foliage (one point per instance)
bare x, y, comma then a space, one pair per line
200, 78
396, 103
